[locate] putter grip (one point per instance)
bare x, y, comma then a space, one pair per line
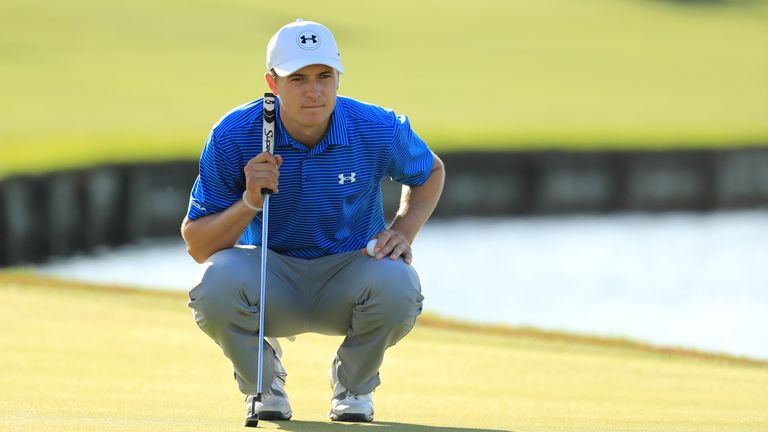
268, 129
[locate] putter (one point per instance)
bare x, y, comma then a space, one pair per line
267, 144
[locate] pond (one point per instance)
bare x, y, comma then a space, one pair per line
683, 279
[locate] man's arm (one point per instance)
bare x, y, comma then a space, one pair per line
416, 206
212, 233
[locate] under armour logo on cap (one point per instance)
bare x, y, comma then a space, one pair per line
308, 40
300, 44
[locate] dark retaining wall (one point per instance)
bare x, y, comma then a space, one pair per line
62, 213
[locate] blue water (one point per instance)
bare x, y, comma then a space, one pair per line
690, 280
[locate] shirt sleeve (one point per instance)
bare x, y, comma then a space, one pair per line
220, 182
411, 159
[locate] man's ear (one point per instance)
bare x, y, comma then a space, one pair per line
271, 83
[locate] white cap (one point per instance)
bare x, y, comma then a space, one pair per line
300, 44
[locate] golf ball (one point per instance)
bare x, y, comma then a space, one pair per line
371, 247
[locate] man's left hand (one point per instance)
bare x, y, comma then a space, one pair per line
392, 243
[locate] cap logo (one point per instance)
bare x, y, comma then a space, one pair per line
308, 40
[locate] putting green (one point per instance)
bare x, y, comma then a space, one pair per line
93, 359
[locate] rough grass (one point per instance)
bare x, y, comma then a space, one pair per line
84, 357
85, 82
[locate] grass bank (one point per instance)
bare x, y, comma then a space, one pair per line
81, 358
86, 82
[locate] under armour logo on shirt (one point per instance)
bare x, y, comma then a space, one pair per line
350, 178
308, 40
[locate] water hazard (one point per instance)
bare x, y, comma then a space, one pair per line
690, 280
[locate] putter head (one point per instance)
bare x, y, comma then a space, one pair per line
252, 421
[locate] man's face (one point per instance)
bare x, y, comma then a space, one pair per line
308, 96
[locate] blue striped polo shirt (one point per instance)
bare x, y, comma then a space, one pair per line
330, 196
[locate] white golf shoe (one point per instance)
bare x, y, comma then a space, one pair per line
349, 407
274, 403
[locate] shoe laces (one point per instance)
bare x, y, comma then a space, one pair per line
356, 397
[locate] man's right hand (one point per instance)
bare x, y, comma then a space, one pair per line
263, 171
215, 232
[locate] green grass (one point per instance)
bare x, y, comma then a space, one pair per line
85, 81
87, 358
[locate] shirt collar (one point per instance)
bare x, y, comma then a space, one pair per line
337, 131
335, 135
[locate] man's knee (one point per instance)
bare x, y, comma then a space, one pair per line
397, 292
220, 285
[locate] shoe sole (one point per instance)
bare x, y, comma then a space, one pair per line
274, 415
354, 418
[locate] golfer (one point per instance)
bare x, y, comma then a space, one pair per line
330, 156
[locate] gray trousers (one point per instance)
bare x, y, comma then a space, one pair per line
374, 303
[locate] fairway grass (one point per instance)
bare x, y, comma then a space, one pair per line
85, 358
88, 82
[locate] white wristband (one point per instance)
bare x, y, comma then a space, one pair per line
249, 205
